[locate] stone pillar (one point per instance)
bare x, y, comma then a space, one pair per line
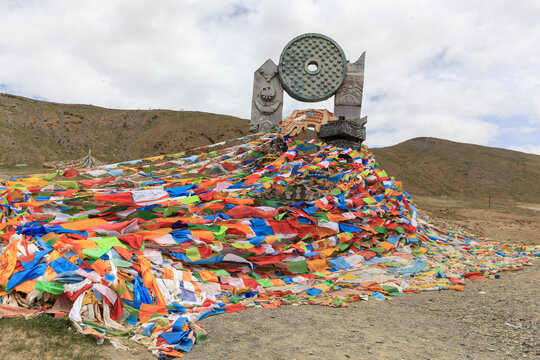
348, 99
349, 130
267, 100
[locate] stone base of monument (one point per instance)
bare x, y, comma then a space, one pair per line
344, 133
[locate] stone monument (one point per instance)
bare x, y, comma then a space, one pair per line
312, 67
267, 100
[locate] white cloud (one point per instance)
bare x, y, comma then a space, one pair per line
444, 126
432, 68
531, 149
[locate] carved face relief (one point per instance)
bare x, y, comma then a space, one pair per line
267, 100
254, 127
350, 92
268, 93
265, 126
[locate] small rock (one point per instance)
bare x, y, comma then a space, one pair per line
379, 342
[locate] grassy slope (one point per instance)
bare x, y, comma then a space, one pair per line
34, 131
435, 167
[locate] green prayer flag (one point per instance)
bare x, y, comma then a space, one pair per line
400, 230
297, 267
280, 216
95, 253
50, 287
378, 249
392, 290
141, 214
193, 253
51, 176
380, 229
148, 169
105, 244
190, 199
66, 184
176, 155
201, 336
265, 283
220, 272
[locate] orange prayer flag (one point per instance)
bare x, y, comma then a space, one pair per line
386, 245
168, 274
278, 282
101, 267
272, 305
173, 353
239, 201
186, 276
202, 234
26, 286
83, 224
316, 265
8, 261
208, 275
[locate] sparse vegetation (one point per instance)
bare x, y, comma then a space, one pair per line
44, 337
34, 131
435, 167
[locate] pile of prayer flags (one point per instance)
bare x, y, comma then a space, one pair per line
148, 248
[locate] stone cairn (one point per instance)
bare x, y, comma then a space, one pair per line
312, 67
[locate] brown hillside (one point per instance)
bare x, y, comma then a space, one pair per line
34, 131
435, 167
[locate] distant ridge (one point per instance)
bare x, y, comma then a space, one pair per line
431, 166
33, 131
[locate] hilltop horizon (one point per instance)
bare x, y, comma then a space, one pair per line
37, 100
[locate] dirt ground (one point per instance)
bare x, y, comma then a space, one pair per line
434, 325
491, 319
517, 223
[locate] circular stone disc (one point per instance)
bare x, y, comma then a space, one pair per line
312, 67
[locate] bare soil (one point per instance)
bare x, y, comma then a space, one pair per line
431, 325
513, 222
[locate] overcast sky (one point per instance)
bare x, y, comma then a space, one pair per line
466, 71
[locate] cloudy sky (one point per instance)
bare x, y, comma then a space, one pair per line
466, 71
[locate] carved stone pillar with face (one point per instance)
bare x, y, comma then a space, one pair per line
267, 100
